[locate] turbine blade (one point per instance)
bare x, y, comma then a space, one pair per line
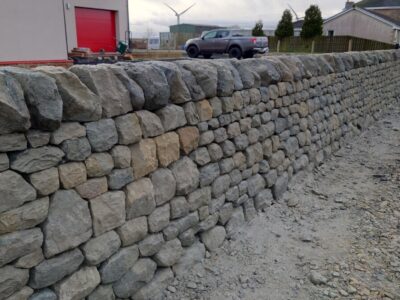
187, 9
170, 8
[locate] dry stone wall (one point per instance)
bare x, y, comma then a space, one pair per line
113, 179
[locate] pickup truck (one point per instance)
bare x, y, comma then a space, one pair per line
220, 41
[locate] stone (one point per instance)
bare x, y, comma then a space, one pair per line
68, 224
204, 110
78, 285
167, 148
263, 200
215, 152
79, 103
201, 156
280, 186
172, 117
291, 145
103, 292
206, 138
153, 82
15, 191
41, 96
159, 218
121, 156
45, 182
150, 124
255, 184
191, 256
189, 139
133, 231
182, 225
276, 159
53, 270
179, 207
137, 277
45, 294
34, 160
4, 162
154, 289
108, 211
14, 114
191, 114
72, 174
254, 154
22, 294
76, 149
213, 238
237, 220
30, 260
186, 175
220, 135
139, 198
128, 128
144, 158
13, 142
98, 249
151, 244
99, 164
220, 185
316, 278
208, 174
12, 280
118, 264
24, 217
101, 80
225, 213
188, 237
102, 134
164, 185
271, 178
67, 131
207, 223
119, 178
20, 243
169, 253
92, 188
198, 198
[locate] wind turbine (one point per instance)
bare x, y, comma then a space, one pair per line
178, 15
297, 17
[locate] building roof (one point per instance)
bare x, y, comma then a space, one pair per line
387, 18
298, 24
378, 3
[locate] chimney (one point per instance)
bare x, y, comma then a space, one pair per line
349, 5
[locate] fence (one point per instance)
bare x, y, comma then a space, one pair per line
325, 44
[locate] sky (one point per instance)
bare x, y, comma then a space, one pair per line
149, 17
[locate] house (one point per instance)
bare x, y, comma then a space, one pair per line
297, 26
44, 31
377, 20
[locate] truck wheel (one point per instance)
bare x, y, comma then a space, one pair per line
207, 56
235, 52
249, 54
192, 52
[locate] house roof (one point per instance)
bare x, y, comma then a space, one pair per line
298, 24
378, 3
387, 18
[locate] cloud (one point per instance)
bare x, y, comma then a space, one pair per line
154, 15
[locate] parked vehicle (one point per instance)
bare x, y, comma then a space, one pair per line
221, 41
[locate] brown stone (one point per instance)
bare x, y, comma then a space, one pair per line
92, 188
144, 158
189, 139
204, 110
72, 174
167, 148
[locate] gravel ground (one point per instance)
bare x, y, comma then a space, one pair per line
336, 235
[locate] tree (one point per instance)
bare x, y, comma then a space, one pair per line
258, 29
313, 23
285, 25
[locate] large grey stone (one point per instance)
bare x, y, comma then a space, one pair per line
79, 103
172, 117
280, 186
14, 114
254, 154
214, 237
100, 248
137, 277
151, 244
118, 264
153, 82
220, 185
226, 81
186, 175
42, 97
108, 211
19, 243
128, 128
191, 256
67, 131
68, 224
78, 285
12, 280
38, 138
45, 294
22, 294
154, 289
115, 98
255, 184
139, 198
102, 134
34, 160
179, 207
30, 260
4, 162
14, 191
169, 253
263, 200
236, 221
208, 174
198, 198
133, 231
13, 142
150, 123
45, 182
102, 292
53, 270
24, 217
119, 178
164, 185
76, 149
121, 156
159, 218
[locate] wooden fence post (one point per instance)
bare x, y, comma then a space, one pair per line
312, 46
350, 45
278, 46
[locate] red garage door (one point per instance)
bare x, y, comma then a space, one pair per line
96, 29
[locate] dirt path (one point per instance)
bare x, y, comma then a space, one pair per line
337, 235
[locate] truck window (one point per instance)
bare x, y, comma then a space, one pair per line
222, 34
210, 35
